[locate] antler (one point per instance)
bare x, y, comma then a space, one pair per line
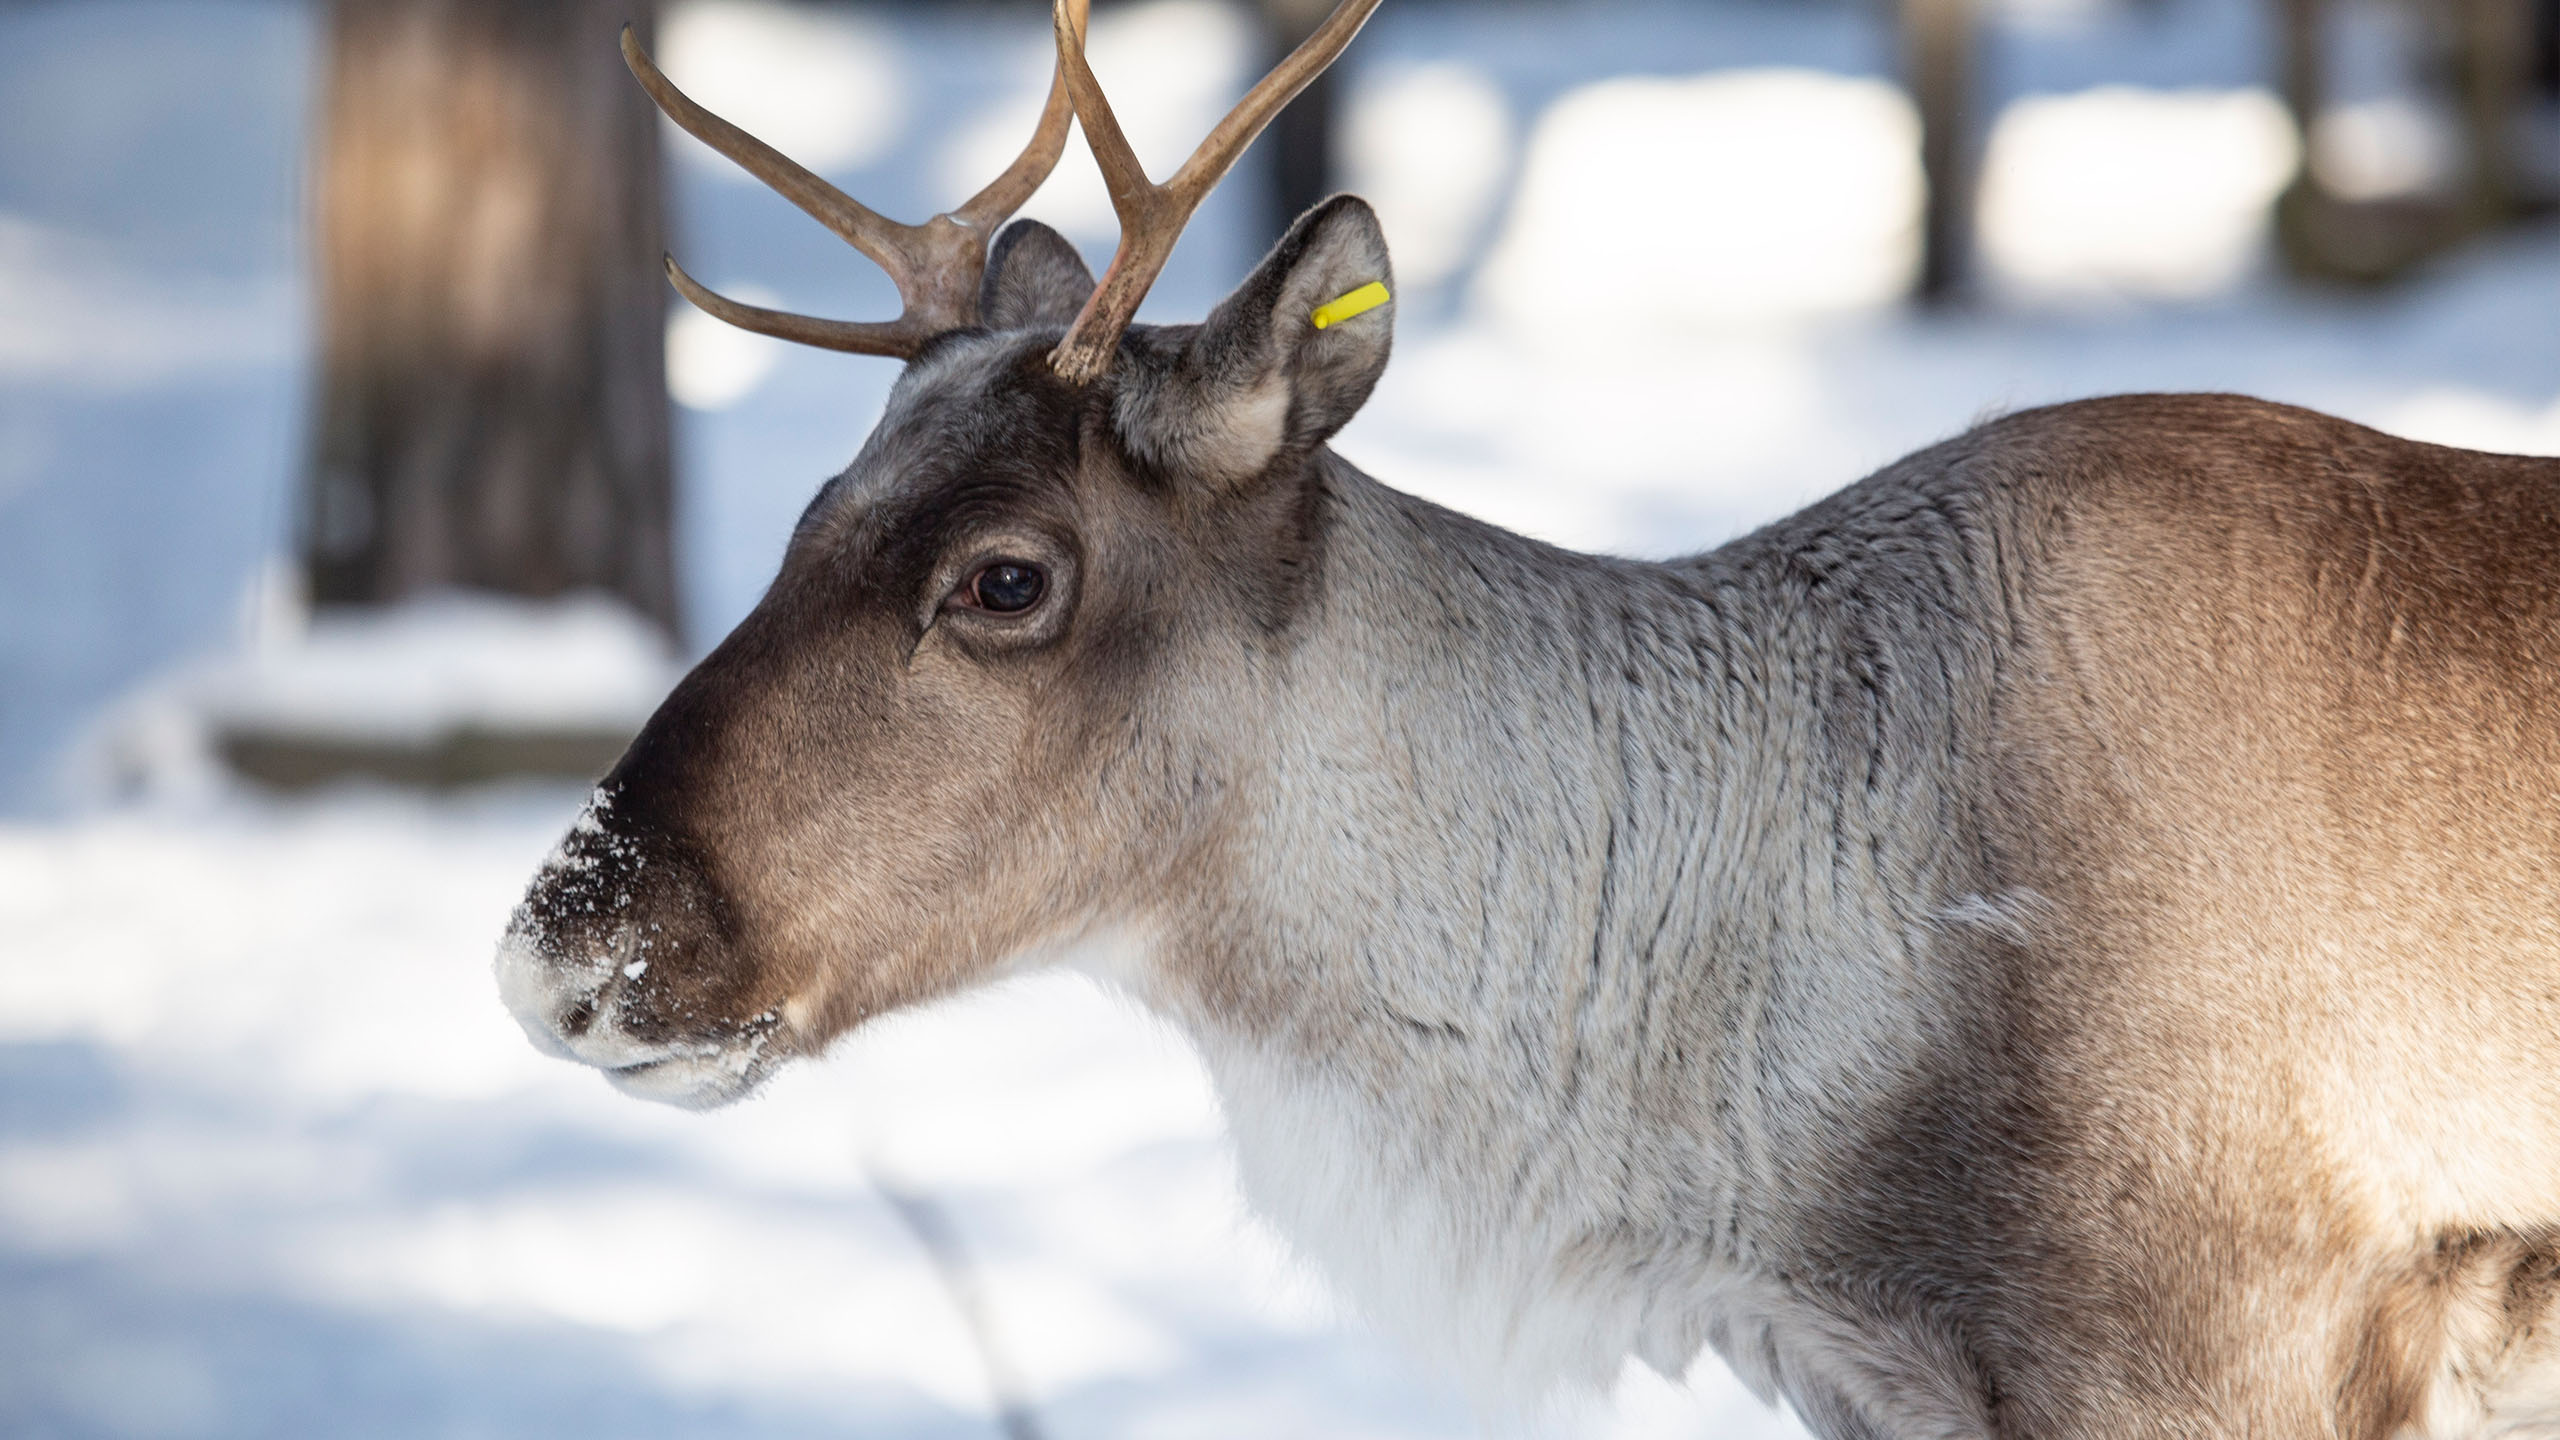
1151, 215
936, 265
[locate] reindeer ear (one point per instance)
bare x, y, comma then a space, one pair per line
1034, 279
1282, 363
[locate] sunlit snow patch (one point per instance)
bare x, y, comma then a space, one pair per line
1171, 68
1429, 146
582, 671
73, 311
712, 364
819, 85
2472, 420
2125, 192
1737, 198
2379, 149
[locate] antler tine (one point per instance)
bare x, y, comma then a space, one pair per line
936, 265
1224, 144
865, 229
1151, 215
1122, 175
992, 206
899, 338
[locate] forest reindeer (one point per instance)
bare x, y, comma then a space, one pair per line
2060, 938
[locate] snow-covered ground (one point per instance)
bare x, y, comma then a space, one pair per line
272, 1160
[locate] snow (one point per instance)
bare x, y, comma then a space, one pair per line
712, 365
68, 313
1171, 68
273, 1159
2128, 192
262, 1100
1649, 203
152, 328
446, 661
1429, 146
822, 86
436, 670
1665, 442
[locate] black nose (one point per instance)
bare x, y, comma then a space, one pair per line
633, 909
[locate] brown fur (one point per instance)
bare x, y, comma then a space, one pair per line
2279, 754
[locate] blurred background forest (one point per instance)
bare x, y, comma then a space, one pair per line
362, 485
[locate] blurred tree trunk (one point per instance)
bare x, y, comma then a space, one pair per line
2305, 213
2485, 63
1937, 61
492, 407
1299, 141
2546, 50
2492, 62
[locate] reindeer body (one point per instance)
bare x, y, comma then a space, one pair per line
2061, 938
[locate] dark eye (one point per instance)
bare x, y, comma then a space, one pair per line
1006, 587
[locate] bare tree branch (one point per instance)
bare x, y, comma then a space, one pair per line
930, 1223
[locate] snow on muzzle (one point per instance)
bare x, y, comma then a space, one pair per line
619, 958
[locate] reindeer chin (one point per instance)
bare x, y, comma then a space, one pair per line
573, 1010
692, 1082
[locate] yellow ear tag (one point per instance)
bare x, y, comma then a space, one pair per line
1359, 302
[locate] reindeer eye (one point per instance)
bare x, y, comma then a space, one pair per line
1006, 587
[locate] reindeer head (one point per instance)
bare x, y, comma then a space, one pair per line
1000, 696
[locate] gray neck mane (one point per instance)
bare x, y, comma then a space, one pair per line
1593, 885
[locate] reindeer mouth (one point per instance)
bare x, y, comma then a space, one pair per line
703, 1074
693, 1081
689, 1074
696, 1073
577, 1012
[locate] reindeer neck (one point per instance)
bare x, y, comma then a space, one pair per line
1554, 861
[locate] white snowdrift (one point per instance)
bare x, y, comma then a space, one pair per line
408, 675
